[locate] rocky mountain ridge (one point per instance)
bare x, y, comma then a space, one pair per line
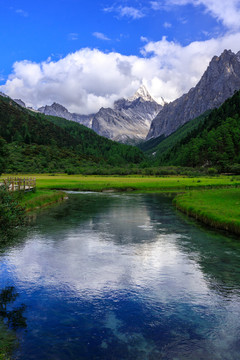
59, 110
20, 102
128, 121
218, 83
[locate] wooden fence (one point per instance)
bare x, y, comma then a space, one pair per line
17, 184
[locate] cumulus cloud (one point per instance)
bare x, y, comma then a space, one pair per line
88, 79
100, 36
83, 81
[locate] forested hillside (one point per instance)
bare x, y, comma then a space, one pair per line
43, 143
214, 142
162, 144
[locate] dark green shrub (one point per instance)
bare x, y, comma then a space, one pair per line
11, 213
235, 169
70, 171
212, 171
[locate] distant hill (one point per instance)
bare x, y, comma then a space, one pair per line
42, 143
217, 84
215, 142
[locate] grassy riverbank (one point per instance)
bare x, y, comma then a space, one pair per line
214, 200
217, 208
126, 183
41, 198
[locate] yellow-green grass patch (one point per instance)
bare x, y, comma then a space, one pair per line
139, 183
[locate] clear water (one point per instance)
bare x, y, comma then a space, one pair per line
106, 276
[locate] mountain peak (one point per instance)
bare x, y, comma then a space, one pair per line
227, 52
226, 56
142, 93
57, 106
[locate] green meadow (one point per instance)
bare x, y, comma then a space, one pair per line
127, 183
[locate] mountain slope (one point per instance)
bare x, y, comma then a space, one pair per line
158, 146
127, 121
215, 142
218, 83
36, 141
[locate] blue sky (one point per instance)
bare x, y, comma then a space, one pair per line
42, 38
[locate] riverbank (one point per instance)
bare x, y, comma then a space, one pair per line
41, 198
217, 208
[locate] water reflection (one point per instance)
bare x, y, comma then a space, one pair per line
125, 277
218, 257
13, 315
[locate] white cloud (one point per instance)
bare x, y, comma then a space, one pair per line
131, 12
100, 36
83, 81
88, 79
159, 5
144, 39
228, 12
126, 11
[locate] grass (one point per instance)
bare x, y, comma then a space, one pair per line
41, 198
138, 182
217, 208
